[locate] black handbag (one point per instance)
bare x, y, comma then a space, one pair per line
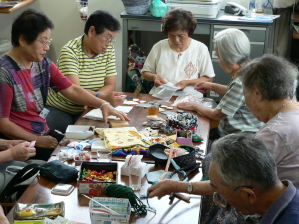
59, 172
19, 183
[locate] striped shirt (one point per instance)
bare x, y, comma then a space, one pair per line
238, 118
91, 72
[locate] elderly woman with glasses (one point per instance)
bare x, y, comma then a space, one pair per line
233, 50
87, 61
26, 75
179, 59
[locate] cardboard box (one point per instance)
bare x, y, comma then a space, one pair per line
79, 131
119, 205
95, 188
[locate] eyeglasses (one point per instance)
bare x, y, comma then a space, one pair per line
220, 201
45, 43
108, 40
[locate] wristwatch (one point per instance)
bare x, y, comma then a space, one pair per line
189, 188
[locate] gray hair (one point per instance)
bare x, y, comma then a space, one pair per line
242, 160
274, 77
232, 46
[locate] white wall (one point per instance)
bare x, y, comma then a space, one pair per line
115, 7
64, 15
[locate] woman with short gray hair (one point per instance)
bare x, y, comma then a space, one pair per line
269, 88
232, 46
233, 50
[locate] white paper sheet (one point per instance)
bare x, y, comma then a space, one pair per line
96, 114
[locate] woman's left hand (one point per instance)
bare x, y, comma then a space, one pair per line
107, 110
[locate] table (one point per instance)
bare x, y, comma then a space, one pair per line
76, 207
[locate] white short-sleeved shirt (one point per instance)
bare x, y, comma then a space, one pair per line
190, 64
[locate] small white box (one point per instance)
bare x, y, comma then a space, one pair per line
119, 205
79, 131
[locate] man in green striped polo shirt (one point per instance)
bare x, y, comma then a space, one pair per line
88, 61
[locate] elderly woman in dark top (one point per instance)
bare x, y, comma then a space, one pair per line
179, 59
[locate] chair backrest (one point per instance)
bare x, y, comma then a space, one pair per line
19, 183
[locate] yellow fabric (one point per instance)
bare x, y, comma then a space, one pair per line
121, 137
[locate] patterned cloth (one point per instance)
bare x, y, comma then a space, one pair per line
23, 92
233, 106
91, 72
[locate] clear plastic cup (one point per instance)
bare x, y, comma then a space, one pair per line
104, 156
135, 179
153, 110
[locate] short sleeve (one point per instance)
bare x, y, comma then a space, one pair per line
58, 79
6, 93
205, 63
111, 67
151, 60
68, 62
233, 98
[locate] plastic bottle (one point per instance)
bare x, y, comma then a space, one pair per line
251, 6
259, 6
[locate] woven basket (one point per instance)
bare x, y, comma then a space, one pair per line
137, 7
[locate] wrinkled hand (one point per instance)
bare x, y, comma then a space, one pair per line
46, 142
159, 81
164, 187
114, 98
182, 84
22, 151
186, 106
117, 99
5, 144
203, 87
107, 110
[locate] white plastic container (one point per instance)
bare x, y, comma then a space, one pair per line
119, 205
203, 9
79, 131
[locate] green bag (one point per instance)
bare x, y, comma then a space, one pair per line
59, 172
158, 8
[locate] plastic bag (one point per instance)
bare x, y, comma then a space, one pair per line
158, 8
